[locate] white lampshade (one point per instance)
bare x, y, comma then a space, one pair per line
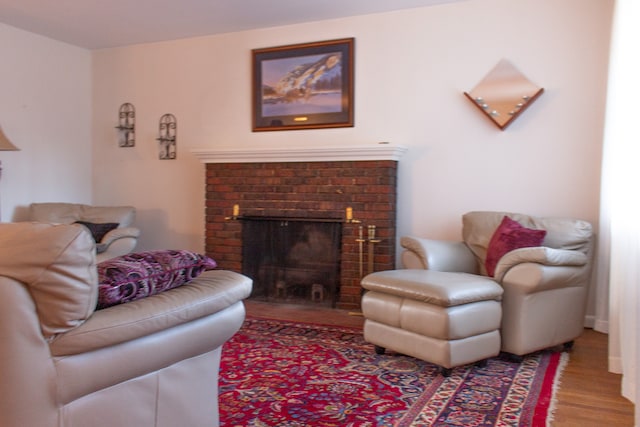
5, 144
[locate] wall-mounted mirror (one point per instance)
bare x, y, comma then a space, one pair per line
504, 94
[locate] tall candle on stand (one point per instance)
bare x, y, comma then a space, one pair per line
372, 235
236, 210
349, 213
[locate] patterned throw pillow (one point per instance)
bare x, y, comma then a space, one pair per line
142, 274
510, 235
98, 230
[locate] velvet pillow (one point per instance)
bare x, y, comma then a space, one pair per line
508, 236
139, 275
98, 230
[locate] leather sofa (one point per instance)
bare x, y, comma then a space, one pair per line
545, 286
119, 238
149, 362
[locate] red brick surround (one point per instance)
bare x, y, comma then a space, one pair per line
314, 189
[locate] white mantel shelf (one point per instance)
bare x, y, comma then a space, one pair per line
378, 151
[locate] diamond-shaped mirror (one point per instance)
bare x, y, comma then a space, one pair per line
504, 94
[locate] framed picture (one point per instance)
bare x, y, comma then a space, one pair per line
303, 86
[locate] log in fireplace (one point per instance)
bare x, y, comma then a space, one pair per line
298, 188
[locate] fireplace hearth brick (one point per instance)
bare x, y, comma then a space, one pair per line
305, 190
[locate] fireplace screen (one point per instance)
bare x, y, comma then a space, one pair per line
294, 261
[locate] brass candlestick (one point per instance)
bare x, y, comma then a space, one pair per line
360, 241
348, 216
235, 213
371, 243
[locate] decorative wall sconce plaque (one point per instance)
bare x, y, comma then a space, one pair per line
167, 139
126, 125
504, 94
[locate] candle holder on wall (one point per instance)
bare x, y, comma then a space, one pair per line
504, 94
167, 139
126, 125
349, 219
235, 213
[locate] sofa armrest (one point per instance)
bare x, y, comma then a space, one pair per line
531, 277
117, 242
209, 293
440, 255
539, 255
120, 233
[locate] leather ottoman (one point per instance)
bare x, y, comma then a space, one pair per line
449, 319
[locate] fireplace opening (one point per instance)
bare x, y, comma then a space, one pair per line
295, 261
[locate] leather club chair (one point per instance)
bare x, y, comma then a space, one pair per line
111, 226
545, 284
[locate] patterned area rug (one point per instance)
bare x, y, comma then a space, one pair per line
277, 373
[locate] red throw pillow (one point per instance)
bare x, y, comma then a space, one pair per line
508, 236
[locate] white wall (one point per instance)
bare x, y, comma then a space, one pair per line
45, 110
412, 68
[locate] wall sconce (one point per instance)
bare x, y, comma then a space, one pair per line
126, 125
503, 94
167, 138
5, 145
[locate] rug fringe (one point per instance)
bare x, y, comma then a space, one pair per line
562, 364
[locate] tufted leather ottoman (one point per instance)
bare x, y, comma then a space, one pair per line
449, 319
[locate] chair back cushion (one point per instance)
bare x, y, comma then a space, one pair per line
57, 264
561, 233
67, 213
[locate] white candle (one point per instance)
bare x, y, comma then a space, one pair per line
236, 210
349, 213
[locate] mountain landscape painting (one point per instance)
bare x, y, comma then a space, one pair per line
302, 85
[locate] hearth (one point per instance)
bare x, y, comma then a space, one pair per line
245, 188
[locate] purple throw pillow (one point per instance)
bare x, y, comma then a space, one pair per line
508, 236
138, 275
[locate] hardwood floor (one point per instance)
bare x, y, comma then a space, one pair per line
589, 396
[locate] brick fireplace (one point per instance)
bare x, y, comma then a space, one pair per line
305, 184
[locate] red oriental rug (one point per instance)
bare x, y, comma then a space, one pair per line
278, 373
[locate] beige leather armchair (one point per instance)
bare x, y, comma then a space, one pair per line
112, 225
545, 287
152, 362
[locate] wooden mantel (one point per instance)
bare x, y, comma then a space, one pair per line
328, 153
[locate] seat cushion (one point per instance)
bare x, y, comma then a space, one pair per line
211, 292
440, 288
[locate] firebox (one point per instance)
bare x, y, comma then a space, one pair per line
292, 260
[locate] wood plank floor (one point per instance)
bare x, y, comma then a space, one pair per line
589, 396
